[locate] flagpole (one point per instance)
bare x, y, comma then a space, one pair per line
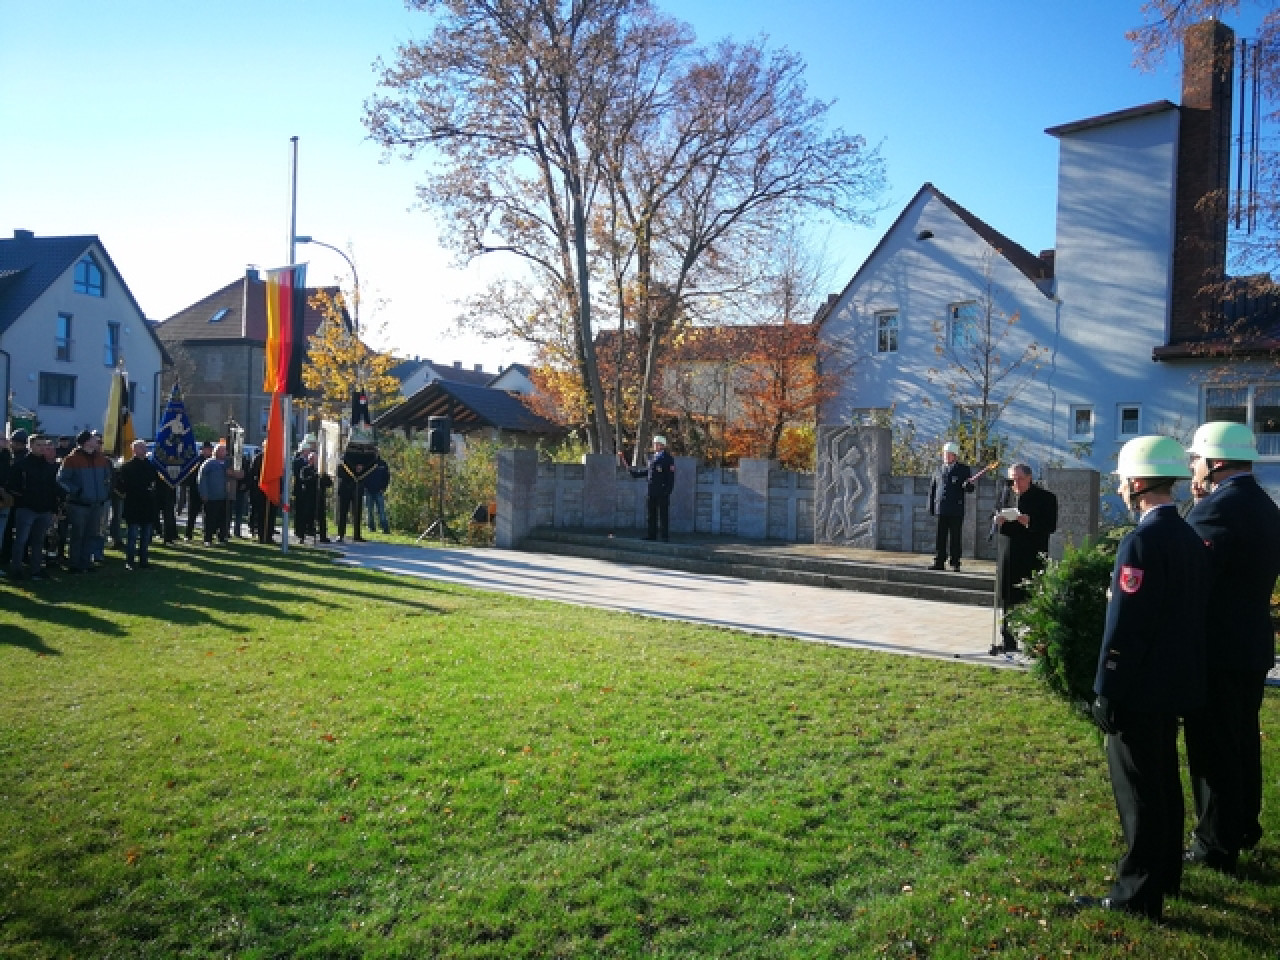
288, 399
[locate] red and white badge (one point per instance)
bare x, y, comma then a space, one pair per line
1130, 579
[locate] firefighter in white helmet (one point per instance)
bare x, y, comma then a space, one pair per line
1150, 672
1241, 525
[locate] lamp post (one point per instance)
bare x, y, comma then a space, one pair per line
355, 278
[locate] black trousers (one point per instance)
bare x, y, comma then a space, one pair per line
948, 530
350, 502
195, 503
215, 520
659, 514
1143, 762
1224, 752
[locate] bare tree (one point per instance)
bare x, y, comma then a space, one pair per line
594, 142
985, 369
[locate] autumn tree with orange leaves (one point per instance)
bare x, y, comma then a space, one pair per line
628, 170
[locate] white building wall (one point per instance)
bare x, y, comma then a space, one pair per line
921, 279
1114, 271
31, 343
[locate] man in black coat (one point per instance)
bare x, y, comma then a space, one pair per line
137, 482
1150, 670
661, 474
1024, 529
951, 481
34, 485
1241, 525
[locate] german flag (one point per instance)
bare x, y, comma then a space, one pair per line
286, 345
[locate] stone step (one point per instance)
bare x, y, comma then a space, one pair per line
773, 564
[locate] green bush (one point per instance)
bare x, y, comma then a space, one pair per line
414, 493
1061, 622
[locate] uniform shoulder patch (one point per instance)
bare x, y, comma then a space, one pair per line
1130, 579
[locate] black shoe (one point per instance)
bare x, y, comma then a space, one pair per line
358, 539
995, 650
651, 538
955, 567
1251, 838
324, 539
1224, 863
936, 566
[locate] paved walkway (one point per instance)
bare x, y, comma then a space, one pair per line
863, 620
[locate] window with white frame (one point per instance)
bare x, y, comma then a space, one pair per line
1128, 420
962, 325
887, 331
1081, 424
111, 346
62, 339
1257, 405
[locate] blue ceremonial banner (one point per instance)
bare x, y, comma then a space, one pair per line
175, 453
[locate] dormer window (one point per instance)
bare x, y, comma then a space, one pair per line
218, 317
88, 277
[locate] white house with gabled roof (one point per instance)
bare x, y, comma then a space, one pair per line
67, 322
1129, 341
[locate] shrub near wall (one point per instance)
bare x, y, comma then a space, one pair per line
412, 497
1061, 623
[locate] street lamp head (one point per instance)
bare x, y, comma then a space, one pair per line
301, 239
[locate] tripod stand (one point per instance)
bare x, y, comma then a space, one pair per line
440, 526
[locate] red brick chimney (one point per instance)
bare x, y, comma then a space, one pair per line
1204, 177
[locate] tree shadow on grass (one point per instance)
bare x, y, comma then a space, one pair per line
17, 636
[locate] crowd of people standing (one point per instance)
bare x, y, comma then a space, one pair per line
62, 504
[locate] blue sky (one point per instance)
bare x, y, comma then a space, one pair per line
164, 128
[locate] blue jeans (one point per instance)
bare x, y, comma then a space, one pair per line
86, 522
29, 527
139, 537
378, 501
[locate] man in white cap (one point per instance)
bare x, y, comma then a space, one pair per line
1241, 525
1150, 671
661, 474
951, 481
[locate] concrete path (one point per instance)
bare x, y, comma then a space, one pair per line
867, 621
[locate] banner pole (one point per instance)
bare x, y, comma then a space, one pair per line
287, 468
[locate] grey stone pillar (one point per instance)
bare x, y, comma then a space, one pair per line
684, 496
517, 480
1077, 492
853, 463
753, 499
599, 491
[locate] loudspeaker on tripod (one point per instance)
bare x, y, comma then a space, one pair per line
439, 435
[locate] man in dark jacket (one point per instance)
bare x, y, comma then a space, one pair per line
1150, 671
375, 489
34, 484
661, 474
1024, 529
137, 482
951, 481
1241, 525
85, 476
191, 485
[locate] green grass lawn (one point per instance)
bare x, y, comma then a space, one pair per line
245, 755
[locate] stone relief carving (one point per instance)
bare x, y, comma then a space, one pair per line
844, 500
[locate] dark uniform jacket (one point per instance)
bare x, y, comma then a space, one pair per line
1021, 546
34, 484
136, 481
1241, 525
1153, 646
946, 491
661, 474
